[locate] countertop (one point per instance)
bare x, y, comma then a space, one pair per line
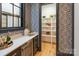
16, 43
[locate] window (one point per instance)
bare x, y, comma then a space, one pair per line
11, 15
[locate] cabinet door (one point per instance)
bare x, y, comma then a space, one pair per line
27, 49
35, 44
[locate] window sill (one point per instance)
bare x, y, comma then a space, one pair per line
4, 30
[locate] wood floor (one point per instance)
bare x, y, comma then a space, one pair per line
47, 49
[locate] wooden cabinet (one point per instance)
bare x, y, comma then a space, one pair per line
35, 45
27, 49
16, 52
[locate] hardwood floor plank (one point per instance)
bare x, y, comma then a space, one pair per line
48, 49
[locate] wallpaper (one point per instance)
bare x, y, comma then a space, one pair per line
65, 28
35, 17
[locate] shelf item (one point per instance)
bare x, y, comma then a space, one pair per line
49, 26
49, 30
48, 33
49, 22
48, 36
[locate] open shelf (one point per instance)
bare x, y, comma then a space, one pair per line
48, 36
49, 29
49, 26
49, 22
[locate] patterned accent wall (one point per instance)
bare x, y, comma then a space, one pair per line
35, 17
65, 28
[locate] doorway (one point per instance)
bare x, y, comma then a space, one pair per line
48, 30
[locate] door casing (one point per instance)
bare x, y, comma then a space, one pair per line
57, 29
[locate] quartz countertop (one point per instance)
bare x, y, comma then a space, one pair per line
17, 43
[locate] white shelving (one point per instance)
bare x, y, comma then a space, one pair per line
49, 26
48, 22
49, 29
48, 36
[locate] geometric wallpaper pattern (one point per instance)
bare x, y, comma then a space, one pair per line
65, 28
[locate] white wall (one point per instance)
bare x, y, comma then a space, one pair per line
49, 9
76, 29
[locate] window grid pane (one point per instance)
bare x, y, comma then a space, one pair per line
16, 22
4, 21
10, 21
19, 22
16, 11
6, 7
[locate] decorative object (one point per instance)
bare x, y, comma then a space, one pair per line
5, 42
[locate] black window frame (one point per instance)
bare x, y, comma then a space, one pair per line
12, 28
